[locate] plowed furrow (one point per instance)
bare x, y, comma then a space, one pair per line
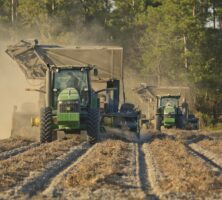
106, 171
212, 145
14, 170
34, 184
207, 156
13, 143
13, 152
176, 173
56, 182
154, 174
144, 174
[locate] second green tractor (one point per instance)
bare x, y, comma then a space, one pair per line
168, 113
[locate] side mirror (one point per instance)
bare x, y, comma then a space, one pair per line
95, 72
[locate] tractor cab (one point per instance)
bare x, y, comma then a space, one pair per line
72, 86
168, 112
168, 101
71, 104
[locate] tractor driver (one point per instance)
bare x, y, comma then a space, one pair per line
73, 81
168, 103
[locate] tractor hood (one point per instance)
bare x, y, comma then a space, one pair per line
33, 58
68, 94
169, 110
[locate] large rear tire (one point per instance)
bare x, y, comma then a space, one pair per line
46, 125
158, 123
179, 121
93, 126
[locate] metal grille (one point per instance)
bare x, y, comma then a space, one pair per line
69, 106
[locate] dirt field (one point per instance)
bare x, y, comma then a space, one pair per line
8, 144
170, 165
215, 146
182, 175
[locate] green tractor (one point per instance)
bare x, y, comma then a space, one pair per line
71, 104
168, 113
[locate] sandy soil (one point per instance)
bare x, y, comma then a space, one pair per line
11, 143
182, 173
215, 134
158, 166
15, 169
186, 136
215, 146
108, 171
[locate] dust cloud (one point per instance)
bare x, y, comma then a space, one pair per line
12, 80
12, 90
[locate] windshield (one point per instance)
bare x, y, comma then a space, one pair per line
71, 78
168, 101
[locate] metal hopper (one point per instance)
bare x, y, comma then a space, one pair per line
33, 58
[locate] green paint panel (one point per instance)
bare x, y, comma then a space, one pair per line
169, 121
67, 117
69, 120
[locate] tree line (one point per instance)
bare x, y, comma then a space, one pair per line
179, 41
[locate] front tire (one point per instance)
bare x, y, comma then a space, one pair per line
93, 126
46, 125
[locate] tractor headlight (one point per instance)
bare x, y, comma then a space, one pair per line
35, 121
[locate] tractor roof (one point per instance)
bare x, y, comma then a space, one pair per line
74, 66
33, 58
168, 96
